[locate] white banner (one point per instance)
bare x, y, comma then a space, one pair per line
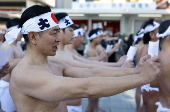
127, 5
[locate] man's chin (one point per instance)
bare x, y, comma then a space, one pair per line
52, 54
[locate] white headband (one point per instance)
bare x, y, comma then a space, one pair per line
78, 32
100, 32
151, 27
139, 35
65, 22
163, 35
36, 24
11, 28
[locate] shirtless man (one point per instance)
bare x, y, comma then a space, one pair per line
7, 103
164, 89
96, 48
95, 37
10, 44
75, 105
139, 46
68, 57
38, 85
76, 42
150, 29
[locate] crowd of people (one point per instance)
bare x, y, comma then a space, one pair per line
48, 74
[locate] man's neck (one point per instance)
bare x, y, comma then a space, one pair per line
154, 40
93, 45
14, 43
35, 57
166, 48
140, 42
61, 46
72, 46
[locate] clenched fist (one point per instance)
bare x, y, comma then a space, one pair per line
150, 69
121, 60
5, 70
103, 55
128, 64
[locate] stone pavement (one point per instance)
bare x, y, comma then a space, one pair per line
123, 102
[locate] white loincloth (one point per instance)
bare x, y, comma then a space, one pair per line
160, 108
74, 108
148, 88
7, 103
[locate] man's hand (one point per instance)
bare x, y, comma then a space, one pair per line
142, 63
116, 46
128, 64
103, 55
5, 70
151, 69
121, 60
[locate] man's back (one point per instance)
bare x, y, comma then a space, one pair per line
24, 76
164, 80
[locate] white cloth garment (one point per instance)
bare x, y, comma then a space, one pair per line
7, 103
65, 22
163, 35
100, 32
74, 108
78, 32
36, 24
131, 53
148, 88
160, 108
108, 48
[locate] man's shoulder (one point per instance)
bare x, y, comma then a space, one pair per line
6, 46
26, 74
25, 68
91, 50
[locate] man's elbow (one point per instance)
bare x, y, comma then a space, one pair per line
89, 90
88, 93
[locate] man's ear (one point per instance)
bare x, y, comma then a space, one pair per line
33, 37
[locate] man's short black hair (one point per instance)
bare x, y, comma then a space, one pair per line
60, 16
12, 22
146, 38
147, 22
163, 27
31, 12
93, 32
76, 27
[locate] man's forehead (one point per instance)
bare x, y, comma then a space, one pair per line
54, 28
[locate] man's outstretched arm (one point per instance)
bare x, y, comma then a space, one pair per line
118, 64
103, 72
46, 86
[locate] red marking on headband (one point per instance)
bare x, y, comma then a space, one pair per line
156, 21
54, 18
